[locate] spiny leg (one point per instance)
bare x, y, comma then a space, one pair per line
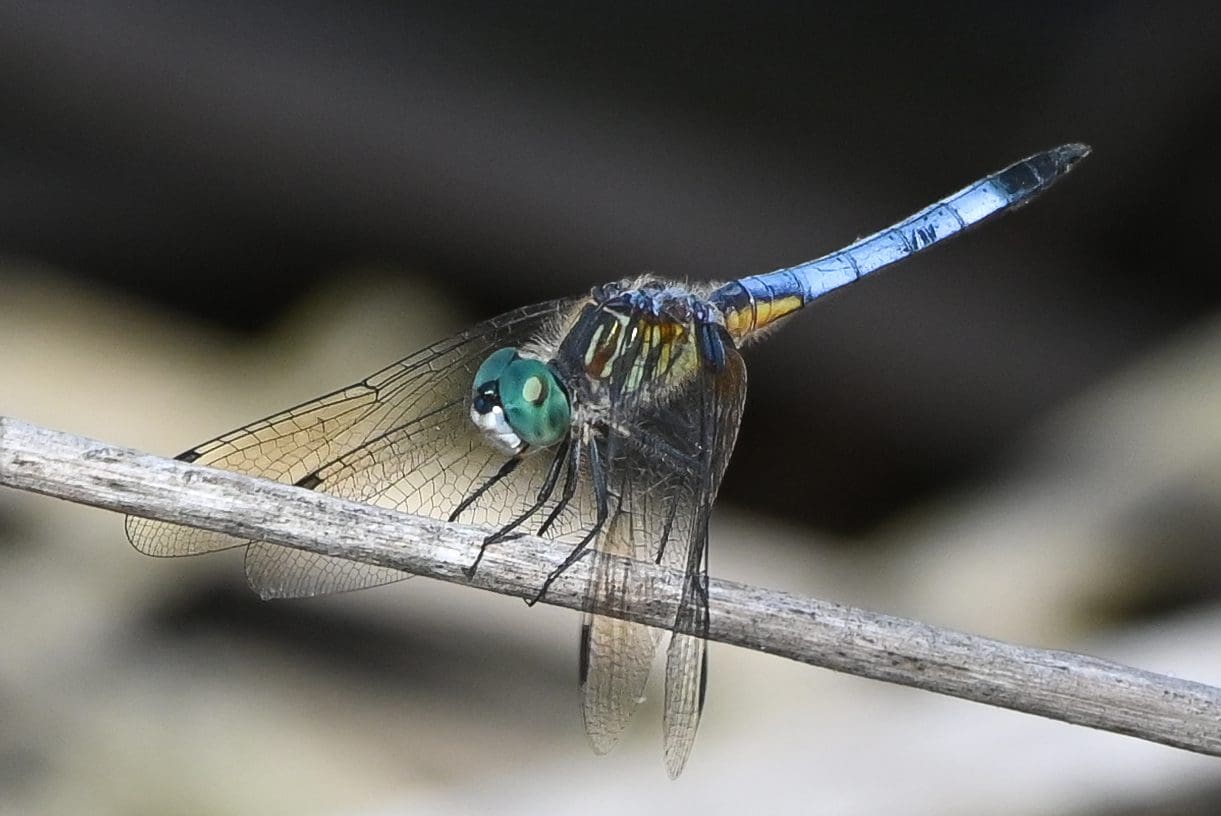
505, 469
570, 490
544, 494
602, 498
667, 529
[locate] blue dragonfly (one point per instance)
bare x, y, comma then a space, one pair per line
605, 421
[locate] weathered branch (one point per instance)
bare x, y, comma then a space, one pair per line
1060, 685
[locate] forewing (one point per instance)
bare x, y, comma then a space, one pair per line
418, 398
425, 467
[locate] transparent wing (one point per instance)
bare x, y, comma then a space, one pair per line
716, 408
420, 397
665, 463
427, 466
616, 655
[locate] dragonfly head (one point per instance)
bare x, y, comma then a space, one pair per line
518, 402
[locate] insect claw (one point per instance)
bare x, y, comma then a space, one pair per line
555, 573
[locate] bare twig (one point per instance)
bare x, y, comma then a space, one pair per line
1060, 685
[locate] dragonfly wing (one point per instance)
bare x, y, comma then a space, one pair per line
616, 654
284, 447
664, 465
294, 446
273, 571
427, 467
717, 403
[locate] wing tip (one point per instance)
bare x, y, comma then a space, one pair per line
142, 539
675, 763
602, 743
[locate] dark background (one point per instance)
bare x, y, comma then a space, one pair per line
221, 159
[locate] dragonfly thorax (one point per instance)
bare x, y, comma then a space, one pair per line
518, 403
647, 340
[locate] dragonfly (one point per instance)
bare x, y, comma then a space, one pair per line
604, 421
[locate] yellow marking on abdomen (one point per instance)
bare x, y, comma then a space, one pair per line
742, 323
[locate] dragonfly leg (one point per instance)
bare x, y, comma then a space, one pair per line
667, 529
602, 497
570, 490
578, 552
544, 494
505, 469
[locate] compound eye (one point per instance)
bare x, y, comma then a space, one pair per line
535, 402
491, 369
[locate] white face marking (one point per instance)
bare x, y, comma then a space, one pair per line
496, 430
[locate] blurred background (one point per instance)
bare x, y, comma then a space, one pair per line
209, 212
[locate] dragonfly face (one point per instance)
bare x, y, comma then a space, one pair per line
518, 403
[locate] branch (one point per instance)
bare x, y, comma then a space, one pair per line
1059, 685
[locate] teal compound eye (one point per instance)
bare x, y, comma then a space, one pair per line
524, 394
534, 402
493, 367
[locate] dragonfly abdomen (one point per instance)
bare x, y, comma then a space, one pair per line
751, 304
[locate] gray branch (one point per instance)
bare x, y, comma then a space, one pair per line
1060, 685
